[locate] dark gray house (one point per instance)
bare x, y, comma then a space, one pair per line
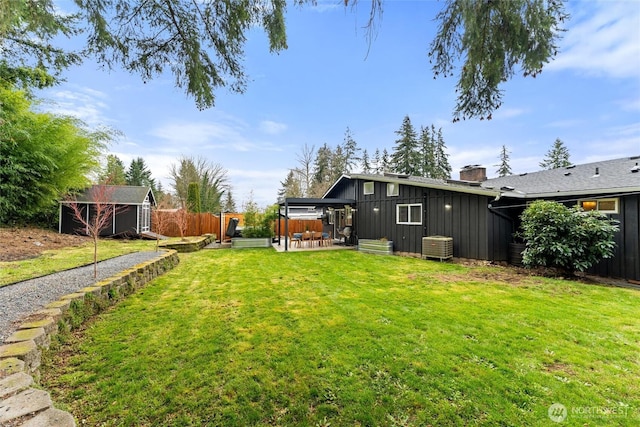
481, 215
133, 210
610, 186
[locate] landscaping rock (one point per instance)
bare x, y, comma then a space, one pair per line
10, 365
50, 418
38, 335
27, 351
14, 384
30, 401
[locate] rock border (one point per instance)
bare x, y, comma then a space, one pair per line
21, 353
189, 246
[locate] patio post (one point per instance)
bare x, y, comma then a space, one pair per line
286, 224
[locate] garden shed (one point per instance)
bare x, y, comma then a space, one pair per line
132, 210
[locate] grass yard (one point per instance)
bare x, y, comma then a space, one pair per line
341, 338
52, 261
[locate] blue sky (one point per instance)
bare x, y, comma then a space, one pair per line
330, 78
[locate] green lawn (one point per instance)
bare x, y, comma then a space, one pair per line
71, 257
341, 338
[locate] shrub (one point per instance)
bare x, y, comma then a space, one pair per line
566, 238
257, 223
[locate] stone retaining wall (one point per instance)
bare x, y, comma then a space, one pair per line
22, 405
192, 245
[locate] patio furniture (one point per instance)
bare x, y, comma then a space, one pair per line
326, 239
295, 238
316, 236
306, 237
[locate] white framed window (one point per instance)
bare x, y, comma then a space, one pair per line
368, 188
409, 214
392, 189
601, 205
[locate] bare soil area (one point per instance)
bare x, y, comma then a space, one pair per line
28, 242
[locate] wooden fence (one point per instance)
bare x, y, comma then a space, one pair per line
207, 223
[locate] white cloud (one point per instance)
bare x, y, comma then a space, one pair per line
271, 127
89, 105
604, 41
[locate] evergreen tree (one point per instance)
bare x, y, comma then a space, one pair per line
366, 166
291, 186
503, 167
114, 172
442, 167
427, 153
193, 198
139, 174
405, 153
487, 40
385, 162
350, 151
377, 162
229, 204
557, 156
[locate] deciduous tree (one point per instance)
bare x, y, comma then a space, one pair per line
101, 212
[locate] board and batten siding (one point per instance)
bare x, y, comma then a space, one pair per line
464, 217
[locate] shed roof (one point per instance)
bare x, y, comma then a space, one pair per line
121, 194
603, 177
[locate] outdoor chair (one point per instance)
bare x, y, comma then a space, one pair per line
316, 236
326, 239
306, 237
295, 238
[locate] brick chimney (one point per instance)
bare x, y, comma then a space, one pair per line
473, 173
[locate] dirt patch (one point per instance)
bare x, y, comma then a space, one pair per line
28, 242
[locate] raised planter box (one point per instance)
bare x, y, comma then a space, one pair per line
381, 247
251, 242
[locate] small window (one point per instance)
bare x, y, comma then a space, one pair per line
601, 205
409, 214
368, 188
392, 189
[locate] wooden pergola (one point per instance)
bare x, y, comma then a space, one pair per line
303, 201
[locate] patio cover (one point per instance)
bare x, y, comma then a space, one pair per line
302, 201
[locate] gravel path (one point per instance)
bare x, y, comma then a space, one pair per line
23, 298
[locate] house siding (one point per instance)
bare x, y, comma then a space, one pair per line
468, 221
626, 260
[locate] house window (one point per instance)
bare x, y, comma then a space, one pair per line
368, 188
392, 189
409, 214
601, 205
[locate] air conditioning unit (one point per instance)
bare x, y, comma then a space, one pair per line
440, 247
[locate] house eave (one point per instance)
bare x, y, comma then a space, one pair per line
591, 192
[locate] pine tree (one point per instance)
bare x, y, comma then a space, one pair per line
442, 167
291, 186
229, 204
427, 154
350, 151
385, 162
405, 153
503, 168
377, 162
139, 174
366, 166
557, 156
